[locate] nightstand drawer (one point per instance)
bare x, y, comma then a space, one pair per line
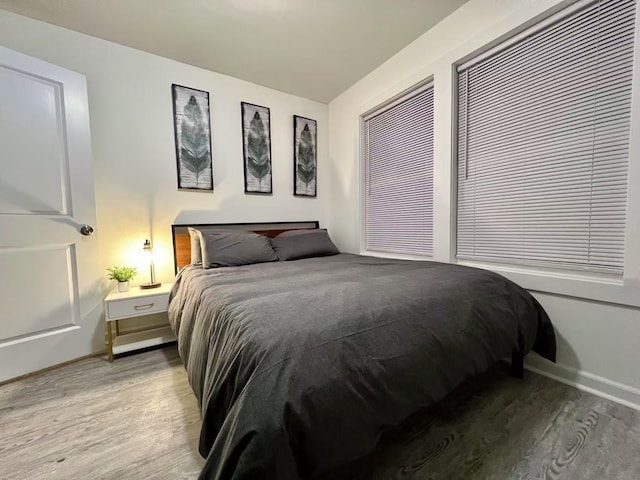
133, 307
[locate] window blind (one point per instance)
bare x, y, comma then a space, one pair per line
543, 144
399, 176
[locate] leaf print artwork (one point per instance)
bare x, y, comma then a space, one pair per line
305, 156
193, 138
256, 133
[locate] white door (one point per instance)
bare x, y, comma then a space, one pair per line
50, 299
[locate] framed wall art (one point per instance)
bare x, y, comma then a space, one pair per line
305, 157
256, 148
192, 128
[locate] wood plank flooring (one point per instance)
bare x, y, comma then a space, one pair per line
138, 419
132, 419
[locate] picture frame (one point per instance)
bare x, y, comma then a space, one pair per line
305, 156
256, 148
192, 135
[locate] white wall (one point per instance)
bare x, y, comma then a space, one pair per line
133, 142
597, 320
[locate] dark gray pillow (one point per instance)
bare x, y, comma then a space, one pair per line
230, 248
196, 251
296, 244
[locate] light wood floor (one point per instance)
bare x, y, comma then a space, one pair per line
138, 419
132, 419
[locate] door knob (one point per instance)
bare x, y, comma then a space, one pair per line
86, 230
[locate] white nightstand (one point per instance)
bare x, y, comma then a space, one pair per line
136, 303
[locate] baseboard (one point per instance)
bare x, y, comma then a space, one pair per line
52, 367
588, 382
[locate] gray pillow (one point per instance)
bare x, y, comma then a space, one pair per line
296, 244
230, 248
196, 251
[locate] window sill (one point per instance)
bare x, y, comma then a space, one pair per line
398, 256
594, 287
588, 286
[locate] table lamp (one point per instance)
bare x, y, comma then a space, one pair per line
147, 250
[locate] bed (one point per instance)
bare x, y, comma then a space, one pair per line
299, 366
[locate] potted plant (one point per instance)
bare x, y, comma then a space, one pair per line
122, 275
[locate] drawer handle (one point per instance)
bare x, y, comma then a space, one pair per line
146, 306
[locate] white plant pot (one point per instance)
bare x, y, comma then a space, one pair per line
123, 286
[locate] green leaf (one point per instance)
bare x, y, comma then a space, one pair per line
194, 139
257, 126
257, 148
192, 110
306, 170
194, 163
258, 170
305, 136
306, 175
121, 274
195, 142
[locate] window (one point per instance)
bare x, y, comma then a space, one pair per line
398, 157
543, 143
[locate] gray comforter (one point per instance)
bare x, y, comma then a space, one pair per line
298, 366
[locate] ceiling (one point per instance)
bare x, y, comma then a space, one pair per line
311, 48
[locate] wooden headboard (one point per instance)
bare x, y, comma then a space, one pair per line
182, 240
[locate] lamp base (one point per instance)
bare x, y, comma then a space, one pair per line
146, 286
